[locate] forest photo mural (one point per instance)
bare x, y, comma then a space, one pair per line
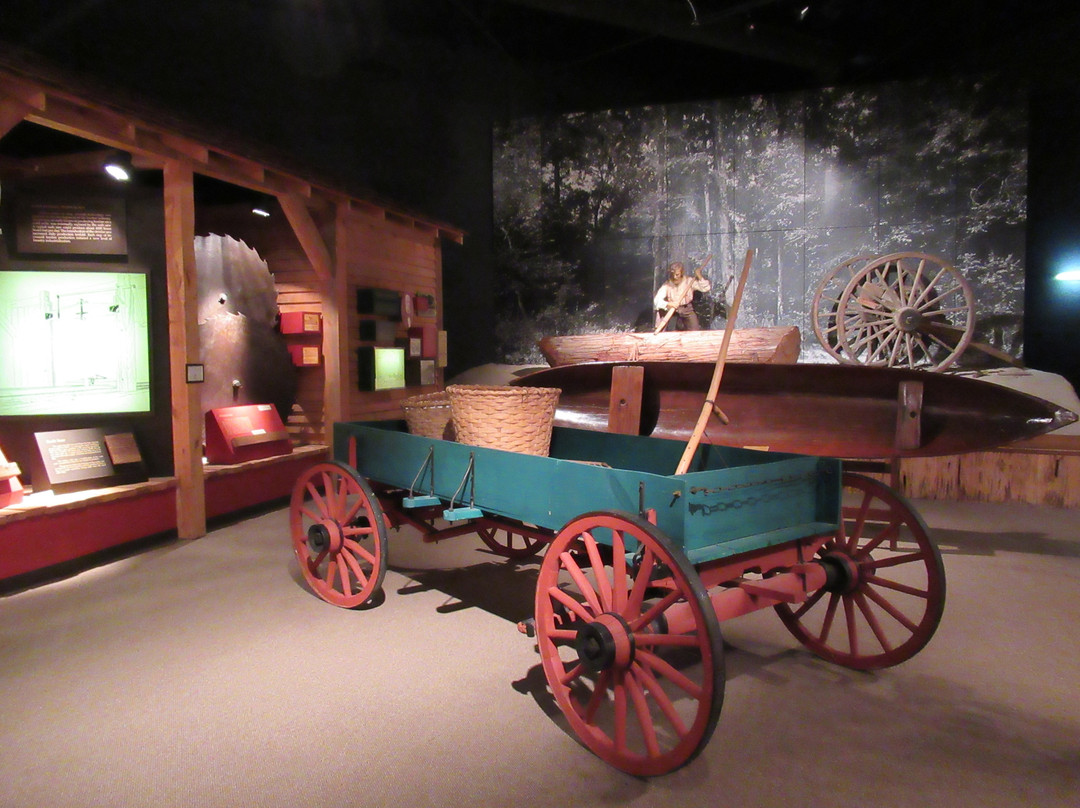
590, 208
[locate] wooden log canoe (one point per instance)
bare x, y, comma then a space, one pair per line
778, 345
847, 411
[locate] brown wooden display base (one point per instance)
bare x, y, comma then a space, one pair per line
46, 530
1041, 471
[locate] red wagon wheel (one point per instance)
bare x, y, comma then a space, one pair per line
885, 591
631, 650
510, 543
338, 534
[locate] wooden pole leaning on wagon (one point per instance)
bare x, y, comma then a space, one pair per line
718, 372
689, 291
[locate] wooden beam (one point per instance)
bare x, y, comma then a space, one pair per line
184, 347
88, 162
335, 324
307, 233
12, 113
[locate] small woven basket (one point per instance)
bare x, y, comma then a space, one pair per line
516, 419
429, 415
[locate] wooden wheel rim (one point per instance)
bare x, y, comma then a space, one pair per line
509, 543
338, 534
827, 301
906, 310
647, 713
889, 601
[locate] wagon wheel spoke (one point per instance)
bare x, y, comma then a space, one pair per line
887, 314
886, 574
338, 534
631, 652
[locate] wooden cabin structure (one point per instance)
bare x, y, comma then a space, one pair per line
328, 244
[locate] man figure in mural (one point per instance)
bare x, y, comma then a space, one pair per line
674, 301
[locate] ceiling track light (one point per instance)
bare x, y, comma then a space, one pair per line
263, 205
119, 167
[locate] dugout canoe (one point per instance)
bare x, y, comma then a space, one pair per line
848, 411
778, 345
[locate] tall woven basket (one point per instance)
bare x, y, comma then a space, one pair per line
517, 419
429, 415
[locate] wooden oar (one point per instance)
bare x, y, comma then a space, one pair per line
689, 290
718, 372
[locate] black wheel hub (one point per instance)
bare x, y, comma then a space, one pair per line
596, 646
841, 573
318, 538
909, 320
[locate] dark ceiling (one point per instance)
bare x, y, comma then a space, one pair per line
377, 73
559, 51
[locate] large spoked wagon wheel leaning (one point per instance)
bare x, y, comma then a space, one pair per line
338, 534
631, 648
885, 589
905, 310
827, 301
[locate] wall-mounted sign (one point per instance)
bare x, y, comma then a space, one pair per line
76, 459
55, 225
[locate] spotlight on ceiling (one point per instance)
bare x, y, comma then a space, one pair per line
262, 205
118, 166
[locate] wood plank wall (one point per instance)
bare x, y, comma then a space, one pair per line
381, 253
385, 254
298, 289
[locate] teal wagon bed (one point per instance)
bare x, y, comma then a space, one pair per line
640, 565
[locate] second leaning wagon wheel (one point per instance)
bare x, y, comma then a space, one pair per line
631, 649
338, 534
905, 310
885, 589
827, 301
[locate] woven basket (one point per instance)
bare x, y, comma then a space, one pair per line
428, 415
517, 419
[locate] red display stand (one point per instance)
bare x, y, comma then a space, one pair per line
11, 490
300, 322
247, 432
429, 340
305, 356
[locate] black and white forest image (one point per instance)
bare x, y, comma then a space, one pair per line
590, 208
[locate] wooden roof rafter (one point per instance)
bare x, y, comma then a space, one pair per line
151, 145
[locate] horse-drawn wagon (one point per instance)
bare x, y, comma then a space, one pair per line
641, 565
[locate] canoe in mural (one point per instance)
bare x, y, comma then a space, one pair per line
847, 411
779, 345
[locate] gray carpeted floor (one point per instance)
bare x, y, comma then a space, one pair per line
206, 674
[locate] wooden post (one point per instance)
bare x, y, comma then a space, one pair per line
624, 407
184, 348
710, 398
335, 322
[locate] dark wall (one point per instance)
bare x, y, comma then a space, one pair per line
1053, 307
